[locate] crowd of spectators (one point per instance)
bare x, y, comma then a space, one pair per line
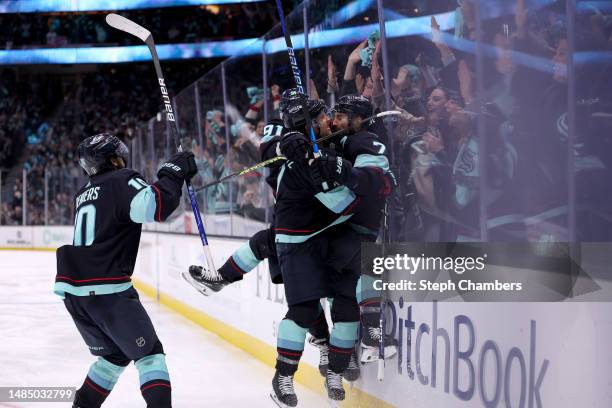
44, 117
170, 25
481, 149
480, 152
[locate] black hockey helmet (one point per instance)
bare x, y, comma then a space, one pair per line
96, 151
293, 112
290, 96
354, 105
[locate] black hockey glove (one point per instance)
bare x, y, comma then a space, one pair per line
329, 172
294, 146
181, 166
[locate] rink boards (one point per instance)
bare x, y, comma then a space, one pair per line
450, 354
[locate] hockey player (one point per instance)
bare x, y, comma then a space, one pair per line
261, 245
93, 274
318, 259
372, 180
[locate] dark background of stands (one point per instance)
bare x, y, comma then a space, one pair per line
490, 146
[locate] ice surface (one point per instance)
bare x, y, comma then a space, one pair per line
40, 346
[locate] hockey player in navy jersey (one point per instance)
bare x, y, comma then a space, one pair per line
318, 259
93, 274
262, 245
372, 180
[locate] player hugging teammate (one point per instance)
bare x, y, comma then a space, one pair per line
325, 207
93, 274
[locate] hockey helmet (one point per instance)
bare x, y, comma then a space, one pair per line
290, 95
293, 112
354, 105
96, 151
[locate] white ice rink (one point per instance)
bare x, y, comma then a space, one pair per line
40, 346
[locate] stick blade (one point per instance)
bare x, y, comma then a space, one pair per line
123, 24
388, 113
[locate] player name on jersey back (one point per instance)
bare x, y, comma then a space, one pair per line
105, 245
89, 195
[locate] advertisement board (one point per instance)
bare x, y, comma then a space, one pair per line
455, 354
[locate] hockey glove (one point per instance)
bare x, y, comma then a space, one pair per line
180, 167
294, 146
329, 172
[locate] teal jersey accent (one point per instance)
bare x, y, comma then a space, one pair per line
297, 239
338, 199
245, 258
61, 288
87, 215
272, 130
290, 335
152, 368
104, 373
344, 334
365, 289
143, 206
371, 160
363, 230
280, 175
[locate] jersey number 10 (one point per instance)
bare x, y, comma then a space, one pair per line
87, 215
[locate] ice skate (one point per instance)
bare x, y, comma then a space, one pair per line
334, 387
204, 280
323, 346
283, 393
353, 371
370, 343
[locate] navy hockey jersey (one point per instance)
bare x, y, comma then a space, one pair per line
370, 179
110, 211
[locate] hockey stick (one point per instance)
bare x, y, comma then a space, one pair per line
297, 77
380, 375
242, 172
378, 115
130, 27
257, 166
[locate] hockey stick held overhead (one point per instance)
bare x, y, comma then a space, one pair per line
369, 118
130, 27
123, 24
297, 77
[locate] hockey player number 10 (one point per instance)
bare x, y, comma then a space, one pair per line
86, 214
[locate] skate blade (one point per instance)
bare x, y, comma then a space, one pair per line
370, 354
333, 403
277, 401
352, 379
197, 286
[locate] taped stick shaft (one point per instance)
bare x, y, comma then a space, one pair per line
123, 24
242, 172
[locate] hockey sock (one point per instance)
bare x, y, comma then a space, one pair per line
365, 290
154, 381
370, 313
100, 380
242, 261
319, 328
290, 345
341, 345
